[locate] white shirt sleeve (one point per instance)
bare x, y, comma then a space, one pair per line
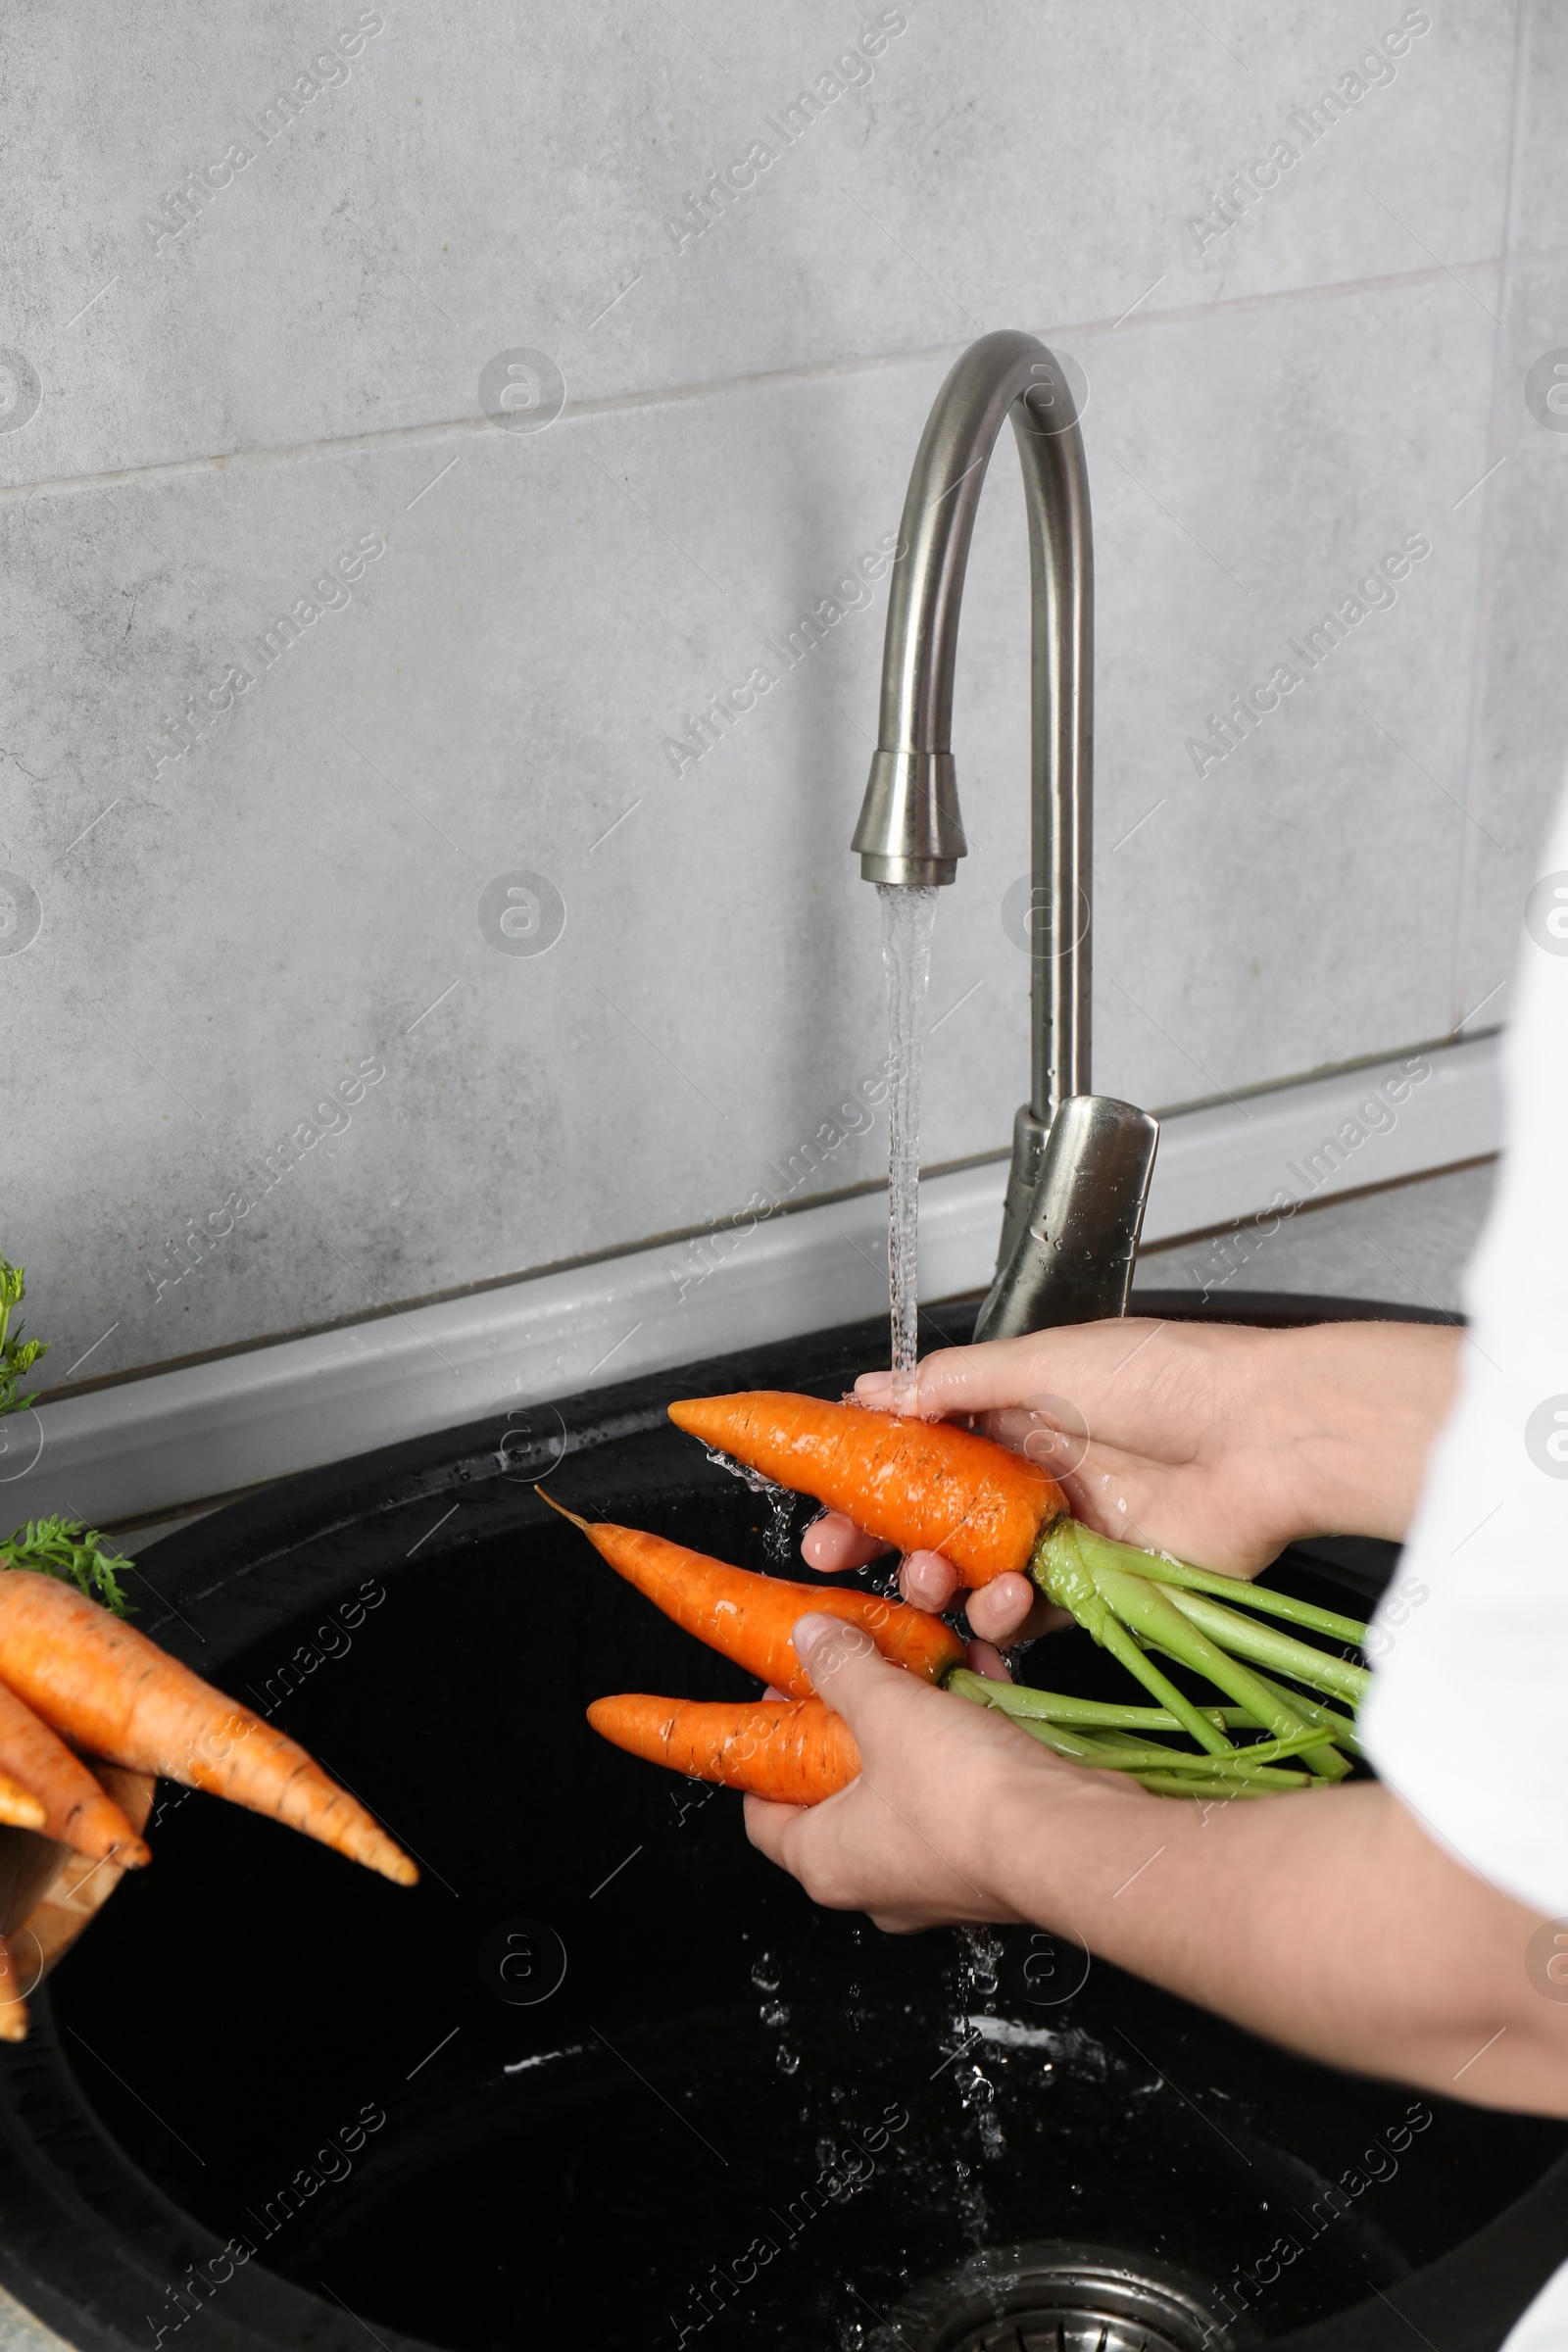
1466, 1716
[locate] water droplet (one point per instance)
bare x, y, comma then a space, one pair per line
765, 1973
779, 1500
787, 2061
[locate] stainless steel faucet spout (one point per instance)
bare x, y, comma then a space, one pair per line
910, 833
909, 829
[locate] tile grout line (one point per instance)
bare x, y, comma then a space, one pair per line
668, 396
1485, 553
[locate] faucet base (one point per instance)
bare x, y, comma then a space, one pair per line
1029, 1133
1084, 1186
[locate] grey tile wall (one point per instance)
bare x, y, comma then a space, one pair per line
1406, 1246
249, 898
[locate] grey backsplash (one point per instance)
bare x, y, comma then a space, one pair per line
270, 991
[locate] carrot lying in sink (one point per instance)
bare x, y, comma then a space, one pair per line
750, 1618
101, 1685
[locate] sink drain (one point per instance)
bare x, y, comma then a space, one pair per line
1058, 2298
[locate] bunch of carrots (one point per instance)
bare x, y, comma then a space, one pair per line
79, 1686
1282, 1714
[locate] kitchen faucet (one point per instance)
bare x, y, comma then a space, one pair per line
1081, 1162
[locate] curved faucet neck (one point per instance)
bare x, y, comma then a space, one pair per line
910, 832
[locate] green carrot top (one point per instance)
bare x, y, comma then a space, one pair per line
17, 1355
55, 1547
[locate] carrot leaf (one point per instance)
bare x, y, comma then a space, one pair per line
57, 1547
64, 1547
17, 1355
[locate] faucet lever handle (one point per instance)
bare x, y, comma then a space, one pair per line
1073, 1255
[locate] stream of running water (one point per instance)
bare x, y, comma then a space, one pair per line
907, 919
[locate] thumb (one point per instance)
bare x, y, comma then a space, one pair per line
848, 1672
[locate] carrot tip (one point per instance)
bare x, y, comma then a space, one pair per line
562, 1508
14, 2021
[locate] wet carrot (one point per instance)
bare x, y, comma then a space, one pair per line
796, 1751
916, 1485
68, 1802
750, 1618
20, 1809
106, 1688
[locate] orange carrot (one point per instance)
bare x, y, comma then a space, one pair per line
105, 1687
20, 1809
749, 1617
68, 1801
796, 1751
918, 1485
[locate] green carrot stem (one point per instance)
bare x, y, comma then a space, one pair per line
1265, 1777
1098, 1550
982, 1689
1104, 1747
1058, 1706
1342, 1726
1170, 1783
1159, 1618
1057, 1568
1171, 1764
1326, 1763
1267, 1648
1257, 1758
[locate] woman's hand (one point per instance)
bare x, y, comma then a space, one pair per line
1327, 1918
921, 1838
1219, 1443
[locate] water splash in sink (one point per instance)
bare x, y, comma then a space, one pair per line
908, 919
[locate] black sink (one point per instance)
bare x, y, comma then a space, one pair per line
270, 2100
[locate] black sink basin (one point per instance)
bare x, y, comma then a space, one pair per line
605, 2076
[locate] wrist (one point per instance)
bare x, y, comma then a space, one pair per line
1351, 1411
1057, 1840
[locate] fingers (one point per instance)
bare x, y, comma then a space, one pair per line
927, 1581
1008, 1609
999, 1373
850, 1674
902, 1841
1011, 1609
999, 1610
834, 1542
982, 1657
794, 1835
963, 1380
838, 1648
767, 1825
